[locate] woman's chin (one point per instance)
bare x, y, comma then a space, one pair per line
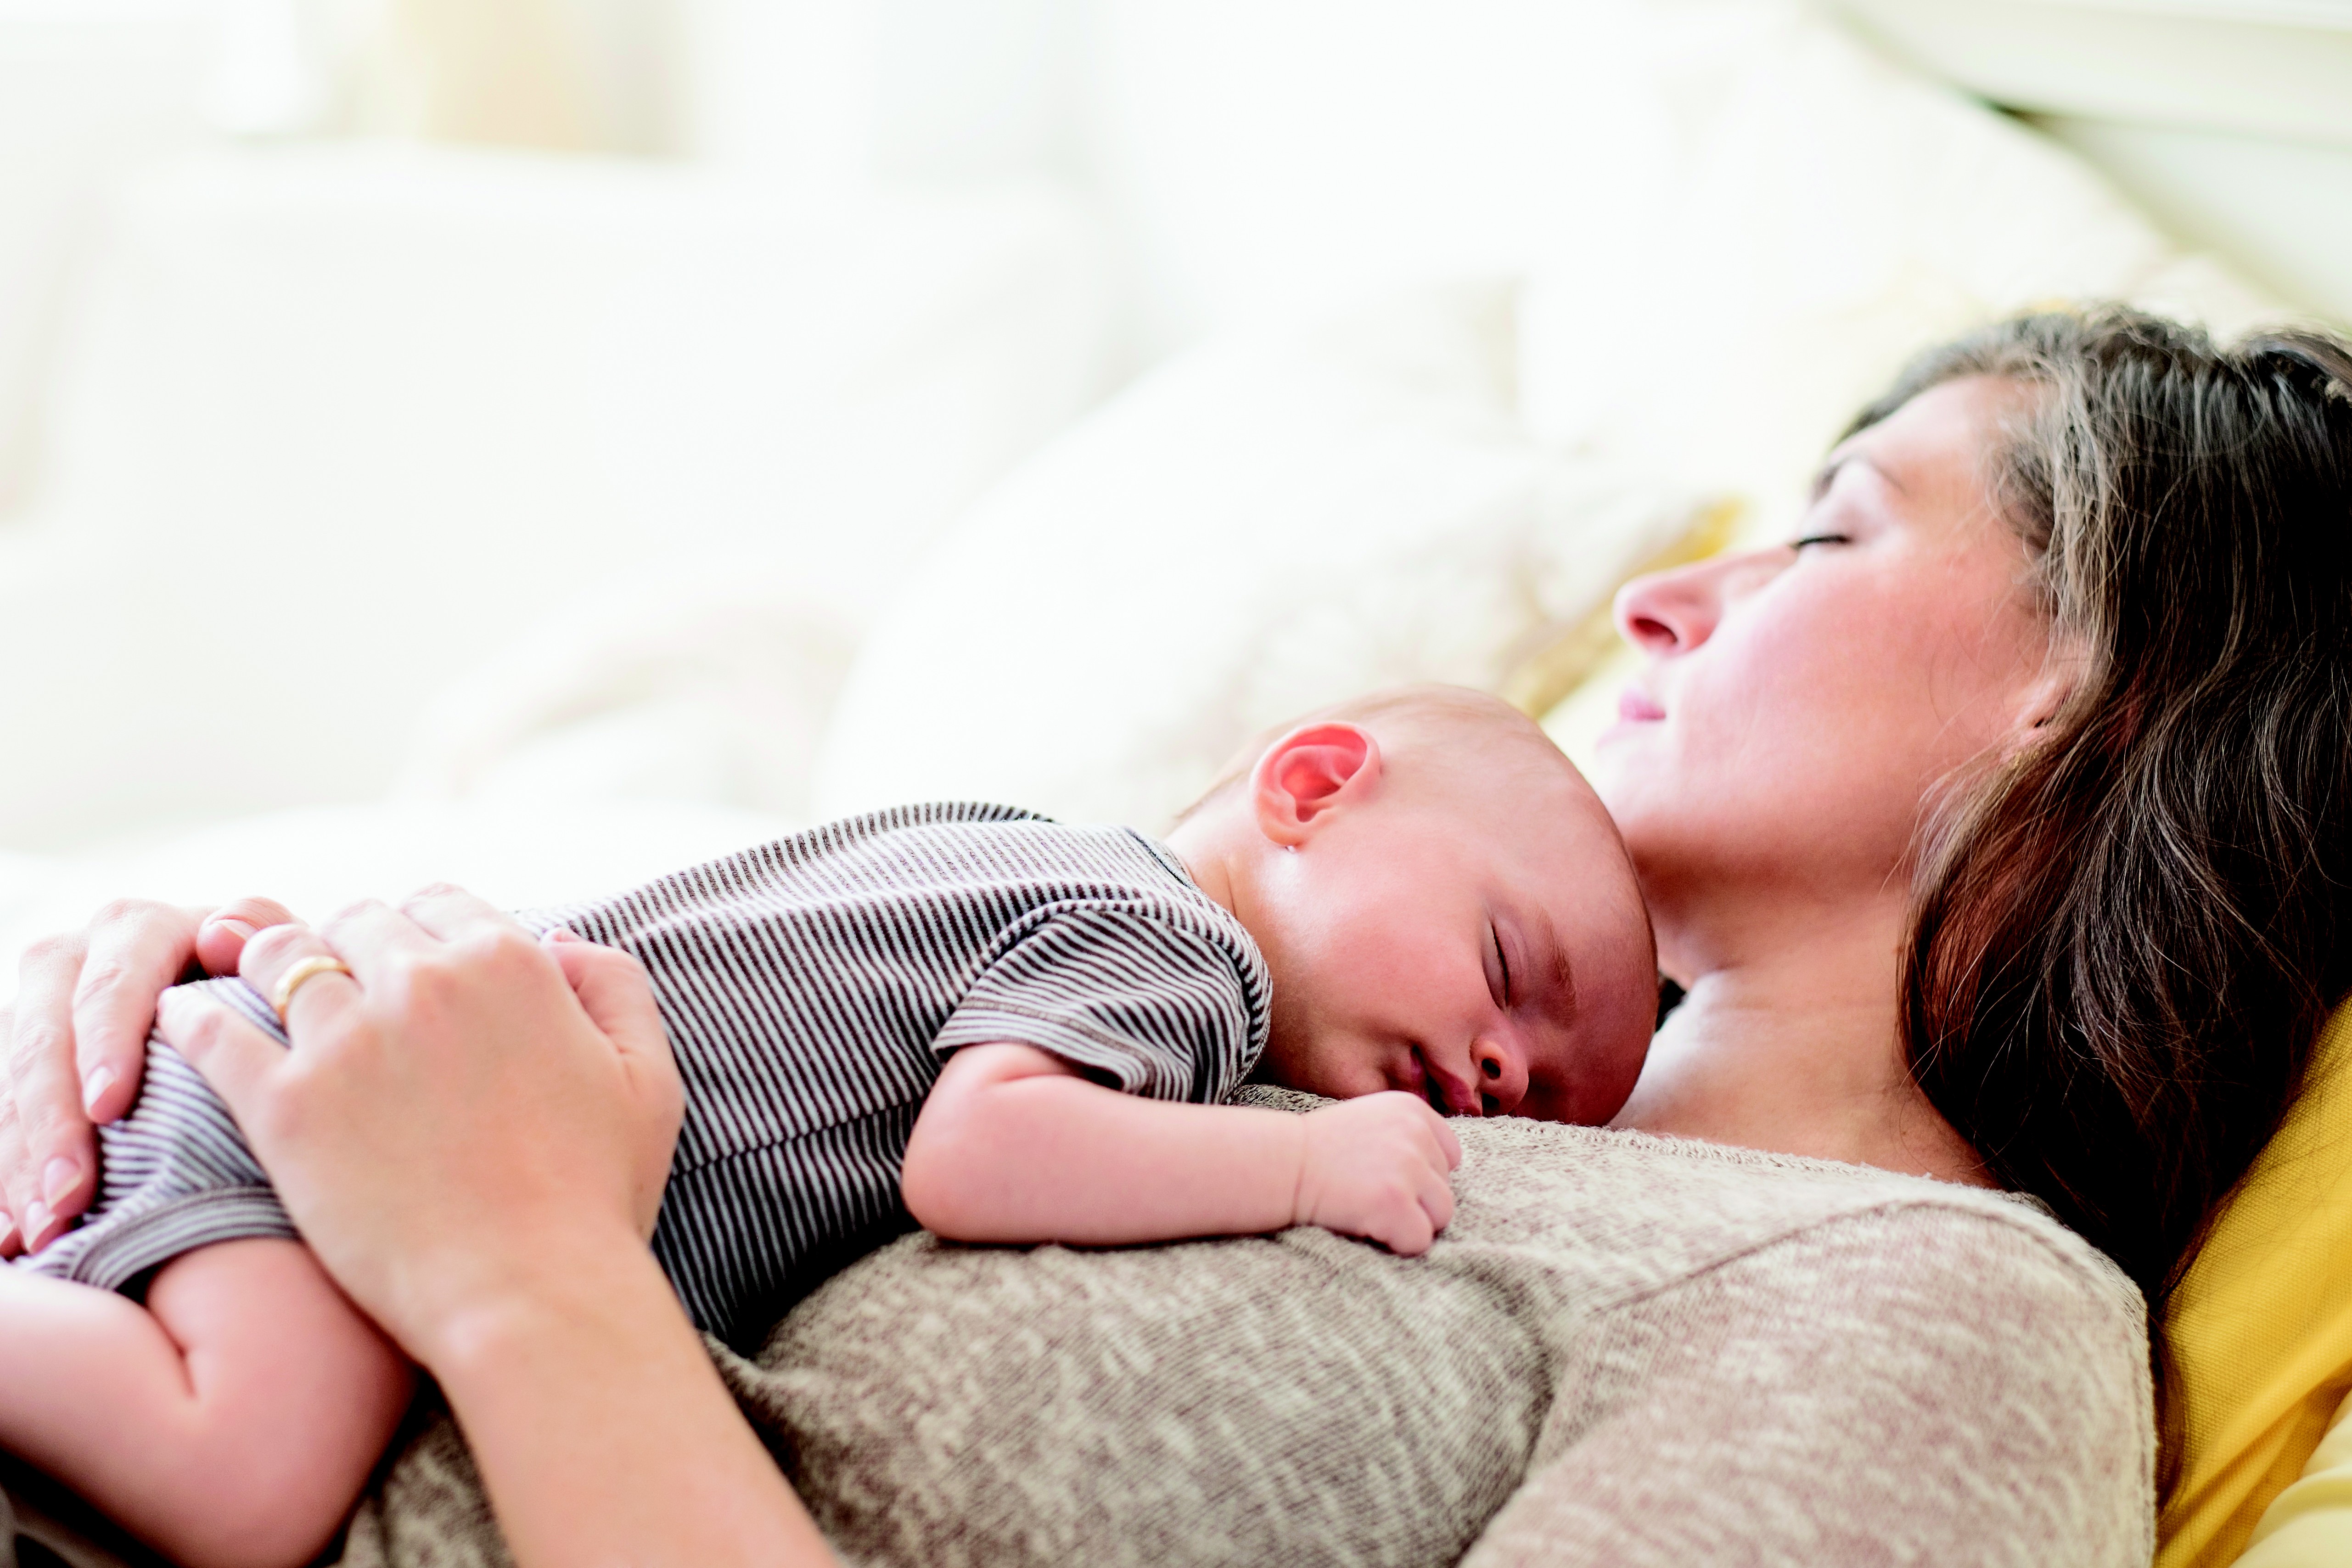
1621, 730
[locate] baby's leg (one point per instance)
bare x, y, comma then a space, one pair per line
232, 1419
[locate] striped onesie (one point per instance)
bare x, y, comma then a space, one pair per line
811, 989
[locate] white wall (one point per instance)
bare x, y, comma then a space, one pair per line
86, 87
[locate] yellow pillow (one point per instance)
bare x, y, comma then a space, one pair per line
2262, 1330
2309, 1525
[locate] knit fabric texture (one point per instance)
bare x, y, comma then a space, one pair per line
1626, 1350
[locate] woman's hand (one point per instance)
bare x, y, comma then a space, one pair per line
471, 1132
76, 1045
518, 1096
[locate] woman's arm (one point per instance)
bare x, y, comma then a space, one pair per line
472, 1132
76, 1044
603, 1432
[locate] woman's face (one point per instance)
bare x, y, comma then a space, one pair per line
1801, 703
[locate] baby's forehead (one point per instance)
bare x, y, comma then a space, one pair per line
1524, 795
1564, 856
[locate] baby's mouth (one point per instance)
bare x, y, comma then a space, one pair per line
1430, 1089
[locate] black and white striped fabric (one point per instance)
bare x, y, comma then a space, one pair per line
810, 988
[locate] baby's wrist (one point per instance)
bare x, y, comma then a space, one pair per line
1302, 1158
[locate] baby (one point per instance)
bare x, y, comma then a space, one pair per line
1006, 1029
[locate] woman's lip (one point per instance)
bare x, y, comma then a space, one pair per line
1634, 706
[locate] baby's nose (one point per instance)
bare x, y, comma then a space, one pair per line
1502, 1075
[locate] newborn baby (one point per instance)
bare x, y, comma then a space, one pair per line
1005, 1029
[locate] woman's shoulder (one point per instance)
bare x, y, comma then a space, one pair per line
1654, 1211
1801, 1330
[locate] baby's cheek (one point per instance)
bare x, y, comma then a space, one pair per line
1335, 1068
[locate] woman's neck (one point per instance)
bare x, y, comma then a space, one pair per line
1790, 1045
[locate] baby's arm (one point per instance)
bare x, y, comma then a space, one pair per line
1013, 1146
233, 1418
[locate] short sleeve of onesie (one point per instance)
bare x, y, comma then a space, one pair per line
1127, 996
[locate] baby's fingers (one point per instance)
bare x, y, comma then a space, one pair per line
1436, 1196
1411, 1229
1445, 1149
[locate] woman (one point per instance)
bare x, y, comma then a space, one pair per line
1996, 828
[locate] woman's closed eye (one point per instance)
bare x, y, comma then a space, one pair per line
1802, 543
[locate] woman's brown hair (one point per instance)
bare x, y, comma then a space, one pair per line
2126, 937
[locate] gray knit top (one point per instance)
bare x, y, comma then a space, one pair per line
1626, 1350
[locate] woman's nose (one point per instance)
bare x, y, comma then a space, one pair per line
1674, 611
1502, 1075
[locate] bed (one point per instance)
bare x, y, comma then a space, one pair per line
1397, 309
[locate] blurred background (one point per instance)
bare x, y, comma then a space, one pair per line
541, 442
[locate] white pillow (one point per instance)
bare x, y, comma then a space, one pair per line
711, 683
1260, 527
399, 404
1831, 216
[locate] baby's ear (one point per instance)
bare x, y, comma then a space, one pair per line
1314, 770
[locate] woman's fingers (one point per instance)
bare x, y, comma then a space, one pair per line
221, 939
236, 1058
53, 1152
134, 949
614, 990
77, 1045
454, 1123
270, 956
451, 912
12, 1153
377, 941
78, 1039
618, 999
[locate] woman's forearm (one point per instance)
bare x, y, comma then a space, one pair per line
608, 1380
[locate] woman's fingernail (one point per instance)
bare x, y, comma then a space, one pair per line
36, 1220
243, 929
99, 1080
58, 1178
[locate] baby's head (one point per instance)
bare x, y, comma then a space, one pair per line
1444, 903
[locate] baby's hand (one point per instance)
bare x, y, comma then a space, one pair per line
1376, 1167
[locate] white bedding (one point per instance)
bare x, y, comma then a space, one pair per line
515, 854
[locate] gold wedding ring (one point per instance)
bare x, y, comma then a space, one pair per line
294, 979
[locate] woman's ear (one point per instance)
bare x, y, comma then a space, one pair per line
2043, 698
1302, 778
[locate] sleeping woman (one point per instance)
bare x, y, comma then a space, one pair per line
1995, 827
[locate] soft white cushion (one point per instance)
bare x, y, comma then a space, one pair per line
1260, 527
712, 683
344, 420
1831, 216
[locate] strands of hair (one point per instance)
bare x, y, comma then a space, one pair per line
2124, 942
